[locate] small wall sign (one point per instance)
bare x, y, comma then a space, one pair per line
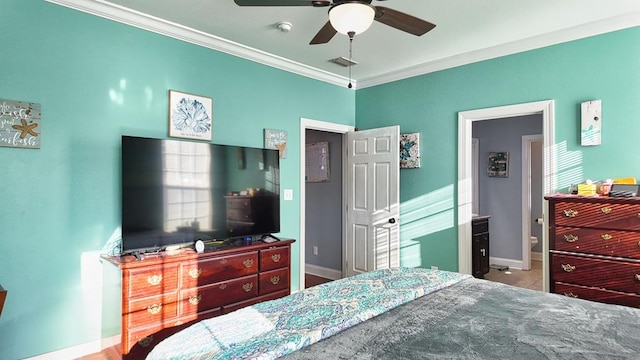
19, 124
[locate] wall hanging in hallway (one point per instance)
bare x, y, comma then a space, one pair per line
410, 151
19, 124
190, 116
498, 164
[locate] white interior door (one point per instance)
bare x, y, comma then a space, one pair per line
373, 210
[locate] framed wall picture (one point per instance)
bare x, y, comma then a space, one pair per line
277, 140
20, 124
498, 164
190, 116
410, 151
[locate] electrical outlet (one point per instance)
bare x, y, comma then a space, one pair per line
315, 250
288, 194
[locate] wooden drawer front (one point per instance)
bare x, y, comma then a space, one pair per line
214, 270
239, 203
274, 280
599, 295
598, 241
144, 282
479, 227
608, 274
152, 310
239, 305
239, 215
274, 258
615, 216
212, 296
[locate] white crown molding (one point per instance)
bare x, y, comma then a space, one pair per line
536, 42
140, 20
163, 27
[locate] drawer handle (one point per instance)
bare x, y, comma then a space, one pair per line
223, 286
571, 295
275, 280
570, 238
570, 213
195, 273
568, 267
154, 309
606, 237
146, 341
154, 280
247, 287
605, 210
637, 277
195, 300
223, 261
247, 263
275, 257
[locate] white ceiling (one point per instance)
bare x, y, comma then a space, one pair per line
466, 31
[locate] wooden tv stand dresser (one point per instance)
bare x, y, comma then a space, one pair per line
165, 292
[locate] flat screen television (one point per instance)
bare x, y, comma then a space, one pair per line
175, 192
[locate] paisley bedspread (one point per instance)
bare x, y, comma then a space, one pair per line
275, 328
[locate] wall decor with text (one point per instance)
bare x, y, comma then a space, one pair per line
19, 124
190, 116
498, 164
277, 140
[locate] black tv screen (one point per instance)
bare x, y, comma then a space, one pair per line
176, 192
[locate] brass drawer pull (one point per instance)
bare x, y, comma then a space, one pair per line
275, 280
195, 273
568, 267
223, 261
605, 210
570, 213
638, 243
247, 263
570, 238
146, 341
223, 286
606, 237
154, 309
154, 280
247, 287
637, 277
195, 300
570, 294
275, 257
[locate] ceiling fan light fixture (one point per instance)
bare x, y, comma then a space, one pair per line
353, 17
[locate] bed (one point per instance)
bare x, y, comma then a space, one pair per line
413, 313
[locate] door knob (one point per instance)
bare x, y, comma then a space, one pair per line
392, 221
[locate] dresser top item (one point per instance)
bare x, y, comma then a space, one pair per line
593, 199
130, 261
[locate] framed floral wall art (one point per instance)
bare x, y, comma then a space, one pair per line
410, 151
190, 116
498, 164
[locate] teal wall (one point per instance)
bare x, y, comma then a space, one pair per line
97, 80
605, 67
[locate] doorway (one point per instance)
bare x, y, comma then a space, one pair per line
465, 174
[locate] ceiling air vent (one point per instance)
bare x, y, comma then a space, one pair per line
343, 61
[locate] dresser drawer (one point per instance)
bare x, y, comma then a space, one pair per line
202, 298
144, 282
239, 305
614, 216
238, 203
595, 294
600, 273
274, 280
208, 271
152, 310
274, 258
239, 215
598, 241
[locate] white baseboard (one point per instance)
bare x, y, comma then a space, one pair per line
536, 256
81, 350
324, 272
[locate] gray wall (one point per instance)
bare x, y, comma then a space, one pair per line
323, 226
501, 198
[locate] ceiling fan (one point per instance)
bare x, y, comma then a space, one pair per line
351, 17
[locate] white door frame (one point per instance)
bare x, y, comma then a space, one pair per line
309, 124
526, 198
465, 130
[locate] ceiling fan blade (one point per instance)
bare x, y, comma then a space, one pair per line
324, 35
402, 21
282, 3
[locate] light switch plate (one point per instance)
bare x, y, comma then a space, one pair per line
288, 194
